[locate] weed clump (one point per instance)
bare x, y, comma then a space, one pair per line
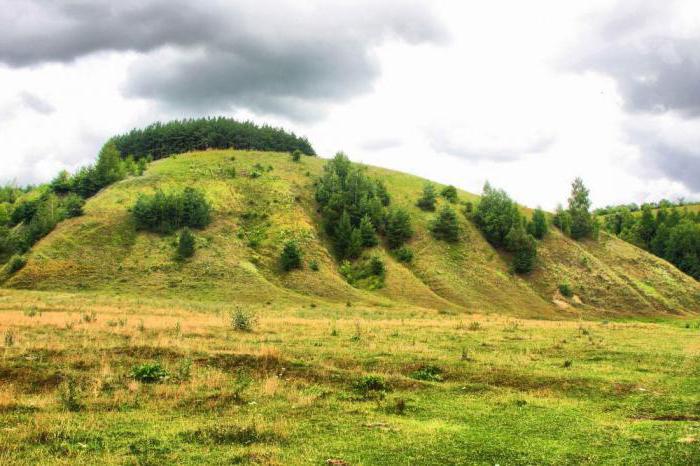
428, 373
149, 373
565, 290
9, 338
369, 384
242, 320
70, 396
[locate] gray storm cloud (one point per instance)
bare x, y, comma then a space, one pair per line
280, 58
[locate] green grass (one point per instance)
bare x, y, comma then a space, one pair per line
309, 384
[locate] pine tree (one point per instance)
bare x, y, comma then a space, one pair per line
538, 227
296, 155
291, 256
398, 228
342, 235
450, 193
355, 245
524, 249
446, 226
579, 205
427, 200
647, 227
185, 244
369, 235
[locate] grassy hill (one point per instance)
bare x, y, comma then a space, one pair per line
237, 256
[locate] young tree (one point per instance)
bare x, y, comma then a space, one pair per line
296, 155
369, 234
524, 249
579, 206
355, 245
185, 244
446, 226
647, 227
343, 231
450, 193
398, 228
427, 200
73, 205
291, 256
538, 227
495, 215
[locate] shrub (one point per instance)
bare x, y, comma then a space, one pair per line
291, 256
538, 227
368, 232
242, 320
524, 249
15, 263
404, 254
565, 290
398, 228
296, 155
427, 199
313, 265
164, 213
73, 204
185, 244
450, 193
376, 266
496, 215
149, 373
364, 274
445, 226
370, 383
429, 373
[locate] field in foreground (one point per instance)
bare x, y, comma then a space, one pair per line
359, 384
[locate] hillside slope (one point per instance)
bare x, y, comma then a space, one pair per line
237, 255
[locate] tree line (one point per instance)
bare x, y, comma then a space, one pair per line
160, 140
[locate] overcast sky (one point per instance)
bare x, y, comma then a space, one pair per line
527, 95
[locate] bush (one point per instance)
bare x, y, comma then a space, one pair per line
149, 373
404, 254
450, 193
242, 320
427, 200
398, 228
445, 226
185, 244
538, 227
69, 395
313, 265
429, 373
524, 249
291, 256
370, 383
73, 204
565, 290
376, 266
367, 275
15, 264
296, 155
496, 215
164, 213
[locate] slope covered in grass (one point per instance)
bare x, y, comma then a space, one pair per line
237, 255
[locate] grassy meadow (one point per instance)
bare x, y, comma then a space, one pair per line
95, 379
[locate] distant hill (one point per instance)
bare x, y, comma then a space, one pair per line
102, 251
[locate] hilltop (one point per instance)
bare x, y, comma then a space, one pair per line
271, 199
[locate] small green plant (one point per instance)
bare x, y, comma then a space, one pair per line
565, 290
9, 338
291, 256
370, 383
404, 254
428, 373
69, 395
88, 318
15, 264
296, 155
313, 265
242, 320
149, 373
400, 406
241, 383
567, 364
184, 370
31, 311
185, 244
474, 326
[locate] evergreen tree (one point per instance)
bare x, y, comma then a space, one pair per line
683, 247
109, 167
446, 226
524, 249
355, 245
369, 234
495, 215
73, 205
342, 235
185, 244
291, 256
427, 200
296, 155
398, 228
579, 206
647, 227
450, 193
538, 227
